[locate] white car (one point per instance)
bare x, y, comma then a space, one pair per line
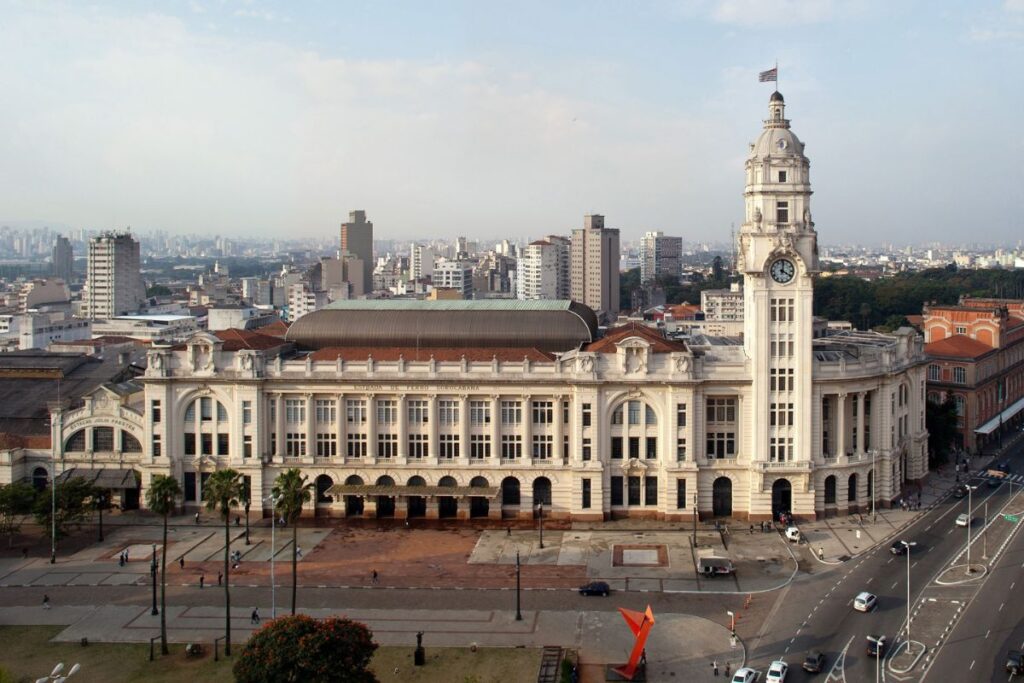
776, 672
963, 520
793, 534
865, 602
745, 675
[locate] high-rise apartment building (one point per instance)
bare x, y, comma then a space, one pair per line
357, 241
660, 255
594, 270
113, 284
421, 264
543, 269
457, 275
63, 260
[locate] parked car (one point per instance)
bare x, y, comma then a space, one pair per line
596, 588
963, 519
1015, 663
777, 672
865, 602
745, 675
715, 566
793, 534
876, 646
897, 548
814, 662
959, 491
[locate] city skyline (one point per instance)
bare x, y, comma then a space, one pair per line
265, 119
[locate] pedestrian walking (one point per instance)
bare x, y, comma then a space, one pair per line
197, 518
120, 560
298, 552
727, 666
255, 618
714, 666
24, 553
751, 529
46, 602
373, 577
202, 580
181, 561
508, 531
220, 578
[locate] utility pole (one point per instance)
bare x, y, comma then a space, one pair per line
519, 614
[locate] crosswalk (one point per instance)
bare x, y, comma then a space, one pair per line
1014, 478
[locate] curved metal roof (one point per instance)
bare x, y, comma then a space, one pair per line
545, 325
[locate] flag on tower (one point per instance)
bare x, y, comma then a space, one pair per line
769, 75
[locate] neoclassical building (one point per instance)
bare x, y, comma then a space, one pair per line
488, 409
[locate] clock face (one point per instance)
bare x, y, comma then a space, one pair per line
782, 271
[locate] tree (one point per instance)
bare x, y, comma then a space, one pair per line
222, 491
15, 502
292, 490
162, 498
941, 421
158, 290
73, 504
300, 648
101, 501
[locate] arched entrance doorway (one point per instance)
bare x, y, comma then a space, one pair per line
323, 499
447, 506
871, 488
721, 497
385, 504
416, 506
510, 497
354, 504
479, 506
40, 477
782, 497
131, 496
830, 489
541, 495
851, 489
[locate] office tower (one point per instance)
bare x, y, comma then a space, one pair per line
63, 259
543, 270
357, 242
660, 255
594, 272
113, 284
422, 262
457, 275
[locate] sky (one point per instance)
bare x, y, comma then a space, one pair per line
497, 119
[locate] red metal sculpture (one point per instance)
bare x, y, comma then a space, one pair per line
640, 624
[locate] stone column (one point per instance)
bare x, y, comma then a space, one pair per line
339, 424
495, 432
279, 428
557, 430
463, 432
403, 432
527, 428
371, 429
432, 453
860, 422
841, 424
310, 428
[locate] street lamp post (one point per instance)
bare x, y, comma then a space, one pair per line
248, 502
908, 545
540, 517
273, 532
58, 434
152, 570
970, 512
874, 485
519, 614
732, 621
694, 519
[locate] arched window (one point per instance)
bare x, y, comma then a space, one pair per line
448, 482
416, 481
510, 491
103, 439
39, 478
830, 490
323, 485
77, 442
205, 435
851, 488
353, 480
542, 491
479, 482
129, 444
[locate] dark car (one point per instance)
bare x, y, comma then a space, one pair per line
595, 588
960, 491
876, 646
898, 548
815, 662
1015, 663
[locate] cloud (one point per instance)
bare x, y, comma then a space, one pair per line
773, 12
1013, 5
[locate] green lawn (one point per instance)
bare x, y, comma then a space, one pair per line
27, 654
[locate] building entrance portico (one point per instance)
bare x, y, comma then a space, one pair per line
721, 497
782, 497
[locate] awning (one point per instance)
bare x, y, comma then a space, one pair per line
405, 491
1002, 417
104, 478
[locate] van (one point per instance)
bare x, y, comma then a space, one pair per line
715, 566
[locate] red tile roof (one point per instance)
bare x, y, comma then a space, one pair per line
37, 441
957, 346
278, 328
659, 344
411, 353
236, 340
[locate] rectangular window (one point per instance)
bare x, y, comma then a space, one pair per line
103, 438
294, 410
190, 486
271, 411
616, 486
633, 491
207, 443
247, 446
205, 409
356, 445
959, 375
448, 412
448, 448
543, 412
565, 412
419, 446
680, 449
246, 412
157, 450
387, 411
479, 446
782, 212
960, 329
634, 447
419, 412
542, 446
387, 445
273, 443
479, 412
680, 494
223, 444
326, 445
721, 410
616, 448
154, 410
652, 448
634, 412
782, 176
721, 445
585, 497
355, 411
295, 444
586, 449
511, 412
934, 373
326, 413
565, 448
511, 446
650, 490
680, 415
587, 414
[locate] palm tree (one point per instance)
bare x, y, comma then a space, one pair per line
291, 491
161, 498
222, 491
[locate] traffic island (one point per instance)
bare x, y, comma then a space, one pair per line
906, 656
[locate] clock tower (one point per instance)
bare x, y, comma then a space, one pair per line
778, 258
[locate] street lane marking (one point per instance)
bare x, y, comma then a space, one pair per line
890, 561
987, 633
972, 665
1001, 606
869, 580
894, 584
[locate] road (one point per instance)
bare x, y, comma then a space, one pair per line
816, 611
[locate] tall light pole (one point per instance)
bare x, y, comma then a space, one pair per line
694, 519
152, 570
519, 614
874, 485
273, 532
58, 429
970, 511
732, 621
908, 545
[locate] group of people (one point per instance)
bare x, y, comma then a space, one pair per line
764, 526
907, 504
122, 559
